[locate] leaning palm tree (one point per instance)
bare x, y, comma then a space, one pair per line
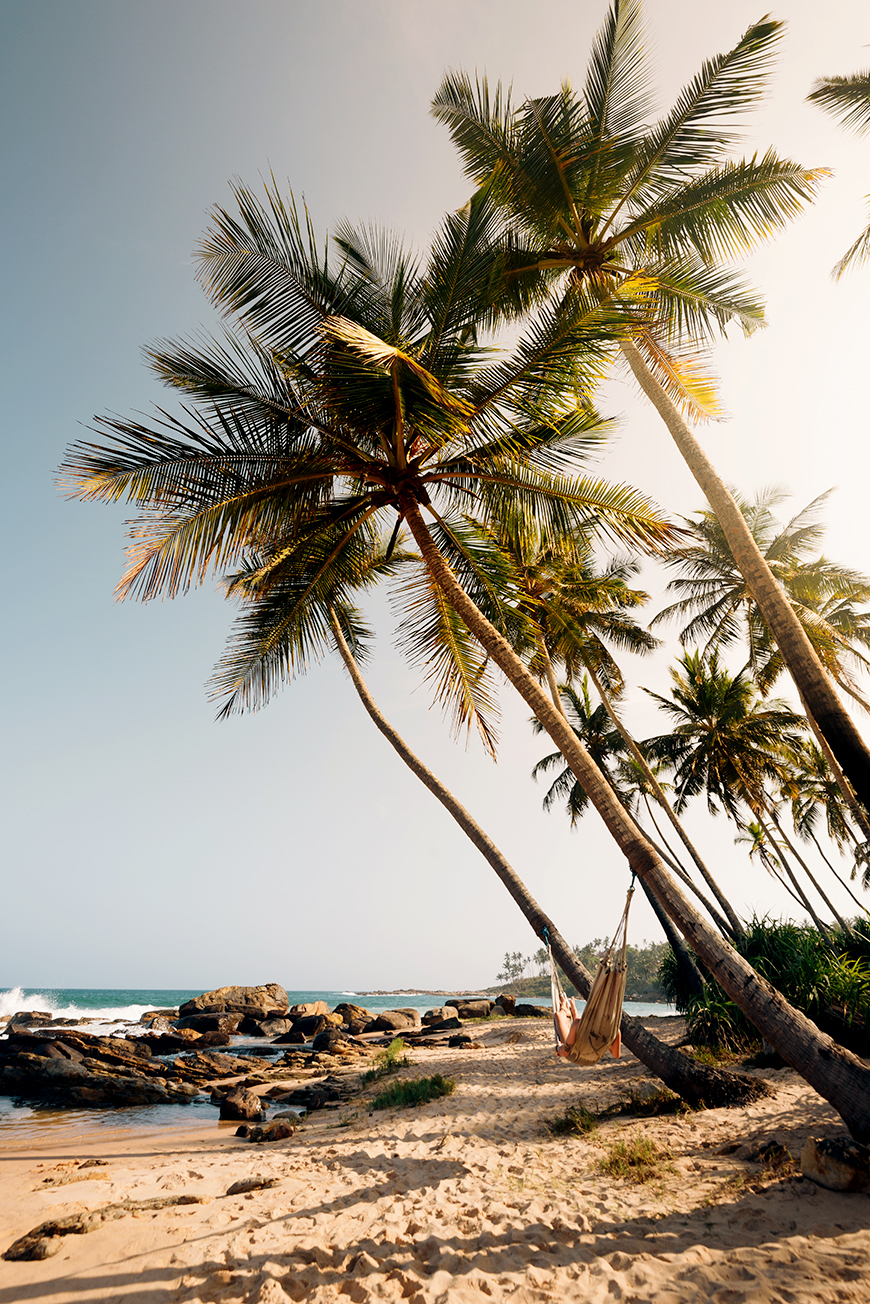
591, 195
828, 599
847, 98
285, 624
576, 612
354, 393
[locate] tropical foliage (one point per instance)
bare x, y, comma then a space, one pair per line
847, 98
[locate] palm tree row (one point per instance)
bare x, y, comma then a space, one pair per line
354, 393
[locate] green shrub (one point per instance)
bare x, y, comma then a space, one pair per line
414, 1091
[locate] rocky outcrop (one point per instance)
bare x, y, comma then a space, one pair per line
533, 1012
473, 1008
257, 1001
307, 1009
353, 1014
439, 1014
216, 1022
506, 1003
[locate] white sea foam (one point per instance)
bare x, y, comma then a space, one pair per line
14, 1001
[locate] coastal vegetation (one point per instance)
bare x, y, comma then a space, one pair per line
414, 1091
355, 425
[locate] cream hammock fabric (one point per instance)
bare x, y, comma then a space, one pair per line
599, 1022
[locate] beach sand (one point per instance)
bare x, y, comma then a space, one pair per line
463, 1200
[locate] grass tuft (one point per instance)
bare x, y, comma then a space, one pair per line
576, 1121
387, 1062
637, 1160
414, 1091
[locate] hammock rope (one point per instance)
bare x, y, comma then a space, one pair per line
601, 1017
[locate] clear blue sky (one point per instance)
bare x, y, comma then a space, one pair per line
144, 844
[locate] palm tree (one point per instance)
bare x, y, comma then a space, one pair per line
357, 392
730, 745
847, 98
712, 591
593, 197
576, 611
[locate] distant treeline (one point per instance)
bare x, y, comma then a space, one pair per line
528, 975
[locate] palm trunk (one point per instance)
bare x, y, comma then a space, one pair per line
806, 670
777, 852
735, 926
834, 1072
805, 867
665, 853
698, 1084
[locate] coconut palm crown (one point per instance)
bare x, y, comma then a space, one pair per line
352, 376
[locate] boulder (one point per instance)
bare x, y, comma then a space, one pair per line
242, 1104
239, 1000
307, 1009
838, 1163
353, 1014
533, 1012
446, 1025
330, 1040
30, 1019
218, 1022
295, 1037
439, 1014
312, 1024
506, 1003
394, 1021
473, 1009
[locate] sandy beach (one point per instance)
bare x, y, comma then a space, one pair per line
464, 1199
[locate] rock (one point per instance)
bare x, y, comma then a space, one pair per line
533, 1012
447, 1025
353, 1013
225, 1023
239, 1000
330, 1040
394, 1021
506, 1003
462, 1042
252, 1184
156, 1019
242, 1104
278, 1130
439, 1014
29, 1019
473, 1009
838, 1163
295, 1037
308, 1008
315, 1095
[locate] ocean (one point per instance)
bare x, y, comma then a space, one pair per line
26, 1124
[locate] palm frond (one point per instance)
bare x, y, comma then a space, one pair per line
847, 98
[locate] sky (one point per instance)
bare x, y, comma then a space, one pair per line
145, 844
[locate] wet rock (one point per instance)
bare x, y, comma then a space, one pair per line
838, 1163
241, 1104
217, 1022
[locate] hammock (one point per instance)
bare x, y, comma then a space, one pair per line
600, 1020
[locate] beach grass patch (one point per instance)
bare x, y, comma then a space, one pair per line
576, 1121
387, 1062
636, 1160
650, 1103
414, 1091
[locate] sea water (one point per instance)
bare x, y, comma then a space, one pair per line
27, 1124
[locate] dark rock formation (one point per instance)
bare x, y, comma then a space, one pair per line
258, 1001
473, 1009
353, 1014
217, 1022
506, 1003
533, 1012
